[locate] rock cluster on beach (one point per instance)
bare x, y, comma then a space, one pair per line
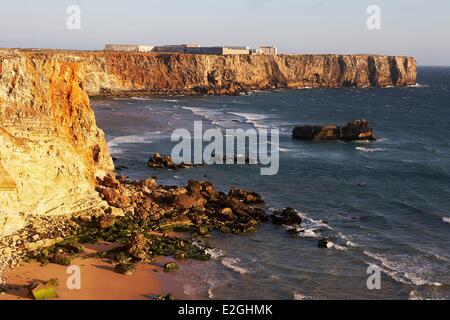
354, 130
143, 213
198, 204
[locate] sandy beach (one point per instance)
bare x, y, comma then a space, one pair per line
98, 279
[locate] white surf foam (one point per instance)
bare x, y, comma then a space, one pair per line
402, 271
299, 296
309, 228
419, 85
141, 99
233, 264
214, 253
114, 144
257, 120
364, 149
216, 117
446, 219
338, 247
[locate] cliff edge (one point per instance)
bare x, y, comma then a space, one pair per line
126, 74
50, 147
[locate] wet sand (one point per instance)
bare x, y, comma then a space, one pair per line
98, 279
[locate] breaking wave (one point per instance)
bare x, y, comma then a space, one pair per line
257, 120
233, 264
402, 271
230, 263
365, 149
114, 144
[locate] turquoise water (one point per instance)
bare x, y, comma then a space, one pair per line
385, 203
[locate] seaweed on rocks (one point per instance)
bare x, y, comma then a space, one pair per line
145, 218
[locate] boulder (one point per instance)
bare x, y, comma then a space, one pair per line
110, 181
106, 221
136, 247
286, 216
115, 197
156, 161
308, 132
170, 266
328, 132
168, 297
355, 130
71, 246
126, 269
226, 213
246, 196
325, 243
61, 258
184, 201
41, 290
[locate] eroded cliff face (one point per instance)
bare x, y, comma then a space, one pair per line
125, 74
50, 147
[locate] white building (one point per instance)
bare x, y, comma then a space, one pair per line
267, 50
129, 48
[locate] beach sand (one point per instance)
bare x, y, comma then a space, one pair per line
98, 279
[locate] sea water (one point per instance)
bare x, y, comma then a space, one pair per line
383, 203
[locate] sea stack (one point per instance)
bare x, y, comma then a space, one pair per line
353, 131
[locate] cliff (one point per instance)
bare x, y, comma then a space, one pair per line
51, 149
125, 74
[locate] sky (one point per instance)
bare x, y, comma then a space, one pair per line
419, 28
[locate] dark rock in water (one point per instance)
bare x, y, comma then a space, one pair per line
307, 132
325, 243
125, 268
286, 216
246, 196
355, 130
328, 132
157, 161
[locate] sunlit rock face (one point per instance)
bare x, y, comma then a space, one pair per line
115, 73
50, 147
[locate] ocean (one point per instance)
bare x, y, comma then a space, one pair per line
383, 203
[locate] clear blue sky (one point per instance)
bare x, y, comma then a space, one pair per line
420, 28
